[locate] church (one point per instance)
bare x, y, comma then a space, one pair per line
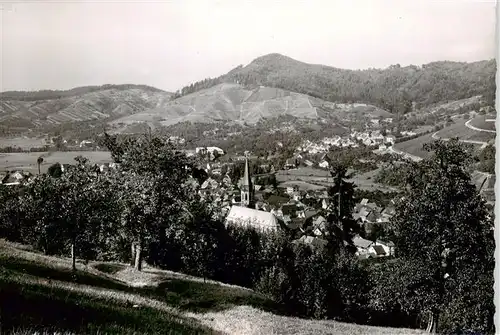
245, 213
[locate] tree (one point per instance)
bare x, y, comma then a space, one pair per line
78, 193
55, 170
443, 236
487, 159
341, 225
138, 211
39, 162
41, 204
154, 189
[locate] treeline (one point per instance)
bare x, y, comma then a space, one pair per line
59, 94
198, 86
10, 149
443, 273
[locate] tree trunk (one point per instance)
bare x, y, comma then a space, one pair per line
132, 257
432, 324
138, 256
73, 257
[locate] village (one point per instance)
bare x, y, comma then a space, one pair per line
259, 200
266, 203
293, 206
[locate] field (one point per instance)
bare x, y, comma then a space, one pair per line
308, 176
27, 161
40, 294
22, 142
460, 130
302, 185
481, 123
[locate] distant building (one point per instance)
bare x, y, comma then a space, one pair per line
211, 150
85, 144
324, 165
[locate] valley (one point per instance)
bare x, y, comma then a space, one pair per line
281, 197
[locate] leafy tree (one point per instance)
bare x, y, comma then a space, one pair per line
154, 190
487, 159
55, 170
10, 213
444, 239
79, 200
41, 204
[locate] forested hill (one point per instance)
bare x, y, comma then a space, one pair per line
393, 88
77, 91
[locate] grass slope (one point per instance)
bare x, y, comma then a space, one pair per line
41, 293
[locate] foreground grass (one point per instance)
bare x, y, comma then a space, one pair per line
41, 294
46, 298
39, 307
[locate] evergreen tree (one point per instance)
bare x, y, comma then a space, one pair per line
341, 225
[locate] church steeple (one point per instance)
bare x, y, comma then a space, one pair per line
247, 187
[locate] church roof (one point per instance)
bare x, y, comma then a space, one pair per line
252, 217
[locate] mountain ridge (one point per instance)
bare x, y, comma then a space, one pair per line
274, 85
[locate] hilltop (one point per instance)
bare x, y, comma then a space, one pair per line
432, 83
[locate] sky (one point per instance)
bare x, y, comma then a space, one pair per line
170, 44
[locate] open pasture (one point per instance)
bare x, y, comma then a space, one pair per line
482, 122
28, 161
460, 130
22, 142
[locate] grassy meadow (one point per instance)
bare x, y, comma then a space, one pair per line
27, 160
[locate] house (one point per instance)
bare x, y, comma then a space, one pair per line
390, 139
308, 163
324, 165
291, 189
209, 150
361, 214
248, 217
290, 163
319, 226
369, 249
15, 178
85, 144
